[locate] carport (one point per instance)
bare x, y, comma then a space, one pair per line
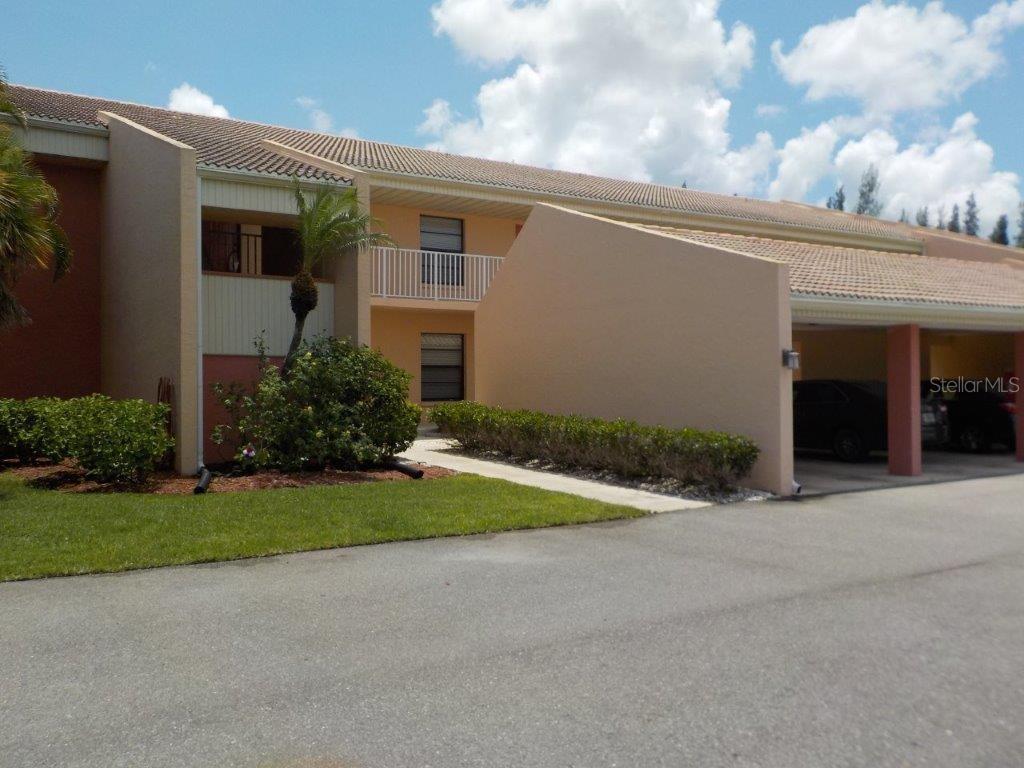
907, 357
904, 355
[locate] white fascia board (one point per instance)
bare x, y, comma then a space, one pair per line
807, 308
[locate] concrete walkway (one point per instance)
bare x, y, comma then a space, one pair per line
436, 451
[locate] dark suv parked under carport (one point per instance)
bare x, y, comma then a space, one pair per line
849, 417
979, 421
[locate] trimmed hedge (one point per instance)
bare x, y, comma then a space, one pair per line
112, 440
626, 448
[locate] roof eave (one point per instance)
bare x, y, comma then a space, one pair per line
836, 310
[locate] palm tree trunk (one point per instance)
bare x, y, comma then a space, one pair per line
304, 298
293, 347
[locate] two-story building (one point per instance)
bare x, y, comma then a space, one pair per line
510, 284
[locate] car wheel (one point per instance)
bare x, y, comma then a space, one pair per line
848, 445
974, 440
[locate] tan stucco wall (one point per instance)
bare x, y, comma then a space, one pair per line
828, 353
396, 334
483, 235
593, 317
351, 276
948, 245
149, 267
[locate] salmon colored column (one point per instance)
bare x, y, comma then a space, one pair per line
903, 365
1018, 371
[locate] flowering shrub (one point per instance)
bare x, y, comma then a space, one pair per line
341, 406
624, 447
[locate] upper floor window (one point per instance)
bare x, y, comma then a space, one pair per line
445, 236
440, 234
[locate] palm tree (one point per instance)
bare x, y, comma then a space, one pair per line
330, 224
29, 234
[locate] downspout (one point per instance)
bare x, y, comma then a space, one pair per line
201, 401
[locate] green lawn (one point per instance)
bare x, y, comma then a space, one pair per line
48, 533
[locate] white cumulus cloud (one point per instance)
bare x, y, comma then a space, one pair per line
769, 110
188, 98
803, 162
321, 120
627, 89
934, 174
893, 58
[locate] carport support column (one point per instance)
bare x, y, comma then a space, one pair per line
1018, 371
903, 366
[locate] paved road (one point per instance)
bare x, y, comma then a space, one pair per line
872, 629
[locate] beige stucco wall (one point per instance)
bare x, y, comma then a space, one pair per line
351, 276
948, 245
831, 353
594, 317
396, 334
149, 270
483, 235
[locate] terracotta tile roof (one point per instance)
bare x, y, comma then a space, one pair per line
856, 273
234, 144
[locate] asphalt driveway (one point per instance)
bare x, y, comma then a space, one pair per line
883, 628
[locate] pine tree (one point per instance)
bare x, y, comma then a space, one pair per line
922, 217
1001, 233
837, 202
1019, 242
941, 223
868, 200
971, 213
904, 219
954, 219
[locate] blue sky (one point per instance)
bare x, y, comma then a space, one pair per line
374, 67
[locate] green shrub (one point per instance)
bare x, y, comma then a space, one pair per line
117, 440
112, 440
624, 447
341, 406
34, 428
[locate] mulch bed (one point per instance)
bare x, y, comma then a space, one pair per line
69, 479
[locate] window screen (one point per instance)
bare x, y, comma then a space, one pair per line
441, 366
438, 234
443, 237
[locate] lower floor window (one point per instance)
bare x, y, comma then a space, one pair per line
441, 366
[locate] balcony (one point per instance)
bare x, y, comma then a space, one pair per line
403, 273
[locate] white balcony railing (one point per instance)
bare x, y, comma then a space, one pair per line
404, 273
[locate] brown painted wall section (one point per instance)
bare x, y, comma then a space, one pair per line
224, 369
58, 354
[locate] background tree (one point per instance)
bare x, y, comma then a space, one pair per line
1019, 241
29, 234
921, 217
869, 201
1001, 231
971, 213
940, 223
954, 219
330, 224
904, 218
837, 202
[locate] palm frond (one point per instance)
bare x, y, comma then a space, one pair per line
29, 233
331, 222
7, 105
